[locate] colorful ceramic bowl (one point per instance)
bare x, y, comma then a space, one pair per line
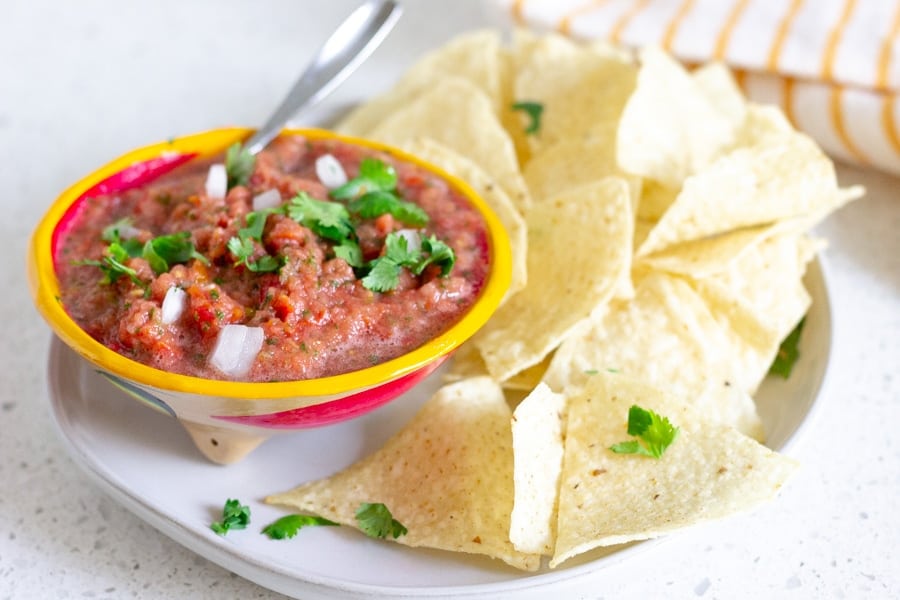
228, 419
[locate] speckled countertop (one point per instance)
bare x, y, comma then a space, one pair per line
81, 82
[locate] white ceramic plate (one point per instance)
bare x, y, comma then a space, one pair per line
144, 460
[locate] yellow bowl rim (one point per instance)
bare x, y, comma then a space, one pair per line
45, 286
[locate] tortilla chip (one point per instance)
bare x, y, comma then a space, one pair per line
474, 56
455, 113
447, 476
537, 433
759, 299
528, 379
569, 164
783, 176
655, 200
717, 84
491, 192
671, 127
582, 90
579, 244
710, 471
666, 337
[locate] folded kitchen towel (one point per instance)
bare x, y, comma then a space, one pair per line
832, 65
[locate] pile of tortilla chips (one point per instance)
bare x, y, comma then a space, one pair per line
659, 227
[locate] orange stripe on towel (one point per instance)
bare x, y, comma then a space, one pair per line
834, 40
675, 23
724, 38
565, 24
888, 122
884, 55
781, 35
836, 112
615, 33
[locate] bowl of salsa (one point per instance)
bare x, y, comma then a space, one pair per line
247, 295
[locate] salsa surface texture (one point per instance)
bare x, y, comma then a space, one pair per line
317, 317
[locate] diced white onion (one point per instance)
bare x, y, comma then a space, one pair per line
268, 199
413, 239
236, 349
217, 181
330, 171
173, 304
126, 232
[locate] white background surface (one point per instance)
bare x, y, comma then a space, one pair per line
82, 82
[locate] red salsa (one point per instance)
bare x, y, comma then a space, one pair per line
158, 272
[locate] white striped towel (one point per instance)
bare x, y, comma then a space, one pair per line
832, 65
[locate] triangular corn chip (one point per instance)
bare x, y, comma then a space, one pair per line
710, 471
447, 476
671, 126
667, 337
457, 114
537, 431
578, 247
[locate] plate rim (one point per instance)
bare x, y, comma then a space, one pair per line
277, 578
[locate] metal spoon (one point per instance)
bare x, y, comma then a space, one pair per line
350, 44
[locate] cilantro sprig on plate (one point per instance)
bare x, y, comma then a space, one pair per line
654, 432
288, 526
376, 520
234, 516
788, 353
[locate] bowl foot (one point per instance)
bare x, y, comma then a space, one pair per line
222, 446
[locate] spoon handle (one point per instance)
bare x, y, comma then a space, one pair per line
350, 44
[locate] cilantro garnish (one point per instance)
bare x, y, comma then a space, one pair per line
349, 251
239, 165
113, 235
788, 352
374, 176
329, 220
166, 250
242, 249
241, 246
534, 110
234, 516
112, 265
160, 253
383, 276
287, 527
439, 254
385, 270
656, 433
375, 520
374, 204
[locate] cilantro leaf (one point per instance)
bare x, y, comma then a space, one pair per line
374, 204
112, 265
375, 520
396, 248
384, 276
166, 250
329, 220
350, 252
242, 249
287, 527
656, 433
534, 110
374, 176
439, 254
112, 234
239, 164
788, 352
234, 516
